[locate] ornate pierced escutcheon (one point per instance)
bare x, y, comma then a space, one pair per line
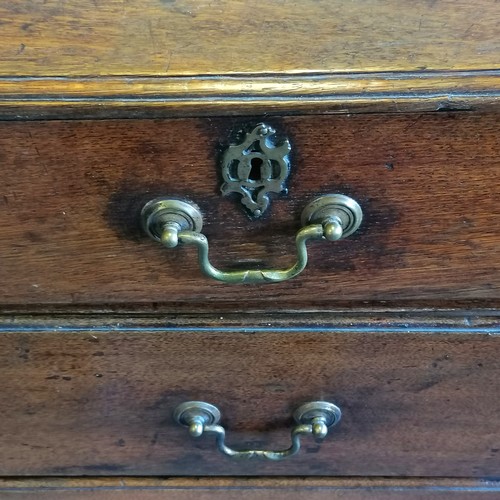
256, 167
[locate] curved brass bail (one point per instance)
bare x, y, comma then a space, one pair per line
170, 221
314, 419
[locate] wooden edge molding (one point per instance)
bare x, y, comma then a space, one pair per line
99, 97
246, 487
399, 309
417, 322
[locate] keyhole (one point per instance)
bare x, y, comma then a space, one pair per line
255, 164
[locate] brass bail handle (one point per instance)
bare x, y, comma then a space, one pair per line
314, 419
170, 221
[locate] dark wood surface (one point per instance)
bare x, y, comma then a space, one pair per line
94, 395
82, 397
72, 192
126, 488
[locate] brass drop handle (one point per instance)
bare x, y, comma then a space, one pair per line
313, 418
171, 221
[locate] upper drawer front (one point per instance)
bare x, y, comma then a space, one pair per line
99, 399
428, 185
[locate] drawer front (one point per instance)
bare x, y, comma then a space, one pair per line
73, 192
99, 399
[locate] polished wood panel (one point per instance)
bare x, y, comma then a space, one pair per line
183, 37
72, 192
82, 396
127, 488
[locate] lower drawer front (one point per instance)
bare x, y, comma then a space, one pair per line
99, 401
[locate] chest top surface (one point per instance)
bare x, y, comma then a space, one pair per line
212, 57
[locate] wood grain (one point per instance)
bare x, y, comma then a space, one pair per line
88, 400
72, 192
160, 58
187, 37
245, 488
119, 97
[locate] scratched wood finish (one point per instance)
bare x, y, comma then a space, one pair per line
79, 401
186, 37
127, 488
72, 192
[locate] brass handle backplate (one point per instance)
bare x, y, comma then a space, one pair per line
171, 221
313, 419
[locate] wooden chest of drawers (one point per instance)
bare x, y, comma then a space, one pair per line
106, 107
